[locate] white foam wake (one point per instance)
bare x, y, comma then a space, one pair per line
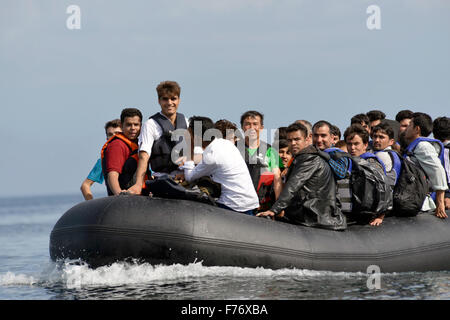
9, 278
75, 275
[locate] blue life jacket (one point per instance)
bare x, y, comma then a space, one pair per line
370, 155
412, 146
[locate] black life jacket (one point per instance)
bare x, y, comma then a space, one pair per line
256, 163
261, 176
160, 159
128, 176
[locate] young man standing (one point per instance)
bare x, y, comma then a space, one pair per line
155, 141
222, 161
119, 154
259, 156
426, 152
96, 175
309, 195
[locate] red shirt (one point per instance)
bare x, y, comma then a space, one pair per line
116, 154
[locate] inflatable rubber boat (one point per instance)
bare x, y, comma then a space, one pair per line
167, 231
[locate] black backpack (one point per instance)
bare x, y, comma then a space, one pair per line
411, 189
371, 193
203, 190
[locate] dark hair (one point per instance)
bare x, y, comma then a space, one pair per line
113, 124
335, 131
281, 133
356, 129
424, 122
252, 114
168, 87
404, 114
340, 144
130, 112
283, 143
376, 115
223, 125
359, 118
307, 124
322, 123
297, 127
441, 128
206, 124
385, 128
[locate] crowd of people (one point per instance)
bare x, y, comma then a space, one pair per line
308, 175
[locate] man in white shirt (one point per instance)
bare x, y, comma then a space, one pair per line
426, 153
223, 162
155, 140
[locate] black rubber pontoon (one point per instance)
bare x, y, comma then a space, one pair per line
167, 231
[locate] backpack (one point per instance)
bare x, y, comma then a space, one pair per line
394, 173
442, 156
411, 189
370, 191
201, 190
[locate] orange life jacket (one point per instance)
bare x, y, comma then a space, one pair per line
132, 145
130, 165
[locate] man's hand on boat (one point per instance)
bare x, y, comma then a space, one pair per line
440, 204
266, 214
270, 214
440, 212
377, 221
135, 189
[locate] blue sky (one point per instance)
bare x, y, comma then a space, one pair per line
289, 59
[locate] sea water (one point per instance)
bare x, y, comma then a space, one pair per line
27, 273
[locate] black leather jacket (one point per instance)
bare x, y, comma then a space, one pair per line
309, 195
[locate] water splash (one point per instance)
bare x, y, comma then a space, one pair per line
10, 279
76, 274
